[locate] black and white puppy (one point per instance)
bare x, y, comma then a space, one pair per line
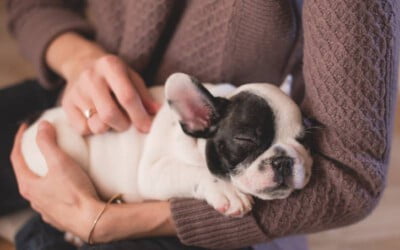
216, 142
213, 142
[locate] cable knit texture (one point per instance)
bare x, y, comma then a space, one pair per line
343, 54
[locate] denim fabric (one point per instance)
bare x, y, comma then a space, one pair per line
37, 235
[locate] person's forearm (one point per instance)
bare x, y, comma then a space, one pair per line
69, 53
137, 220
354, 102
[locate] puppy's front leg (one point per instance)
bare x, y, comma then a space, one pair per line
168, 178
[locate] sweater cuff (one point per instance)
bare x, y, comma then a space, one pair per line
37, 29
198, 224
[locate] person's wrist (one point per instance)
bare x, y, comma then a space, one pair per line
159, 223
90, 209
150, 219
70, 53
169, 227
72, 68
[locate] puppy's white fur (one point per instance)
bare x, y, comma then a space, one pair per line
162, 164
167, 163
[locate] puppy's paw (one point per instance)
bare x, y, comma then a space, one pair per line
226, 198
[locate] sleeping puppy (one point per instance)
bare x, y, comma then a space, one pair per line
218, 143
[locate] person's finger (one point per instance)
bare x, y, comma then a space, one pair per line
73, 105
19, 165
96, 125
85, 102
77, 119
118, 78
47, 141
151, 105
17, 140
22, 172
106, 106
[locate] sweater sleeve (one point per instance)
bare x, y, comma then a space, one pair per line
35, 23
350, 73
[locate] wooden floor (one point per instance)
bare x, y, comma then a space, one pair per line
380, 231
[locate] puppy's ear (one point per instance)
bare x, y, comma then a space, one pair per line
197, 109
286, 86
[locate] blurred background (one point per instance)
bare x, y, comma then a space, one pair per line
381, 230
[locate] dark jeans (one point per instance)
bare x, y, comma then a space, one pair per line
17, 103
38, 235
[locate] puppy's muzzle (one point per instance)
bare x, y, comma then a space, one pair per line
283, 169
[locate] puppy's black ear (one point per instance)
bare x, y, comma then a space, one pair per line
197, 109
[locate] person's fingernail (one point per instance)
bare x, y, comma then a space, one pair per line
144, 129
153, 108
146, 126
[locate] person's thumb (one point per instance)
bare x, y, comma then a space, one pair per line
46, 139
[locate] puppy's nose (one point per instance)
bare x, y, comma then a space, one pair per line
282, 166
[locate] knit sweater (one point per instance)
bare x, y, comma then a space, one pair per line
343, 55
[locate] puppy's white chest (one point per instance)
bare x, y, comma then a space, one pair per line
114, 160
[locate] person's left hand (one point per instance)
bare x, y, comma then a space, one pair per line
65, 197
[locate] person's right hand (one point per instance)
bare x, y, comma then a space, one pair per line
116, 95
100, 82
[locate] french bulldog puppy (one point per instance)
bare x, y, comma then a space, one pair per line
216, 142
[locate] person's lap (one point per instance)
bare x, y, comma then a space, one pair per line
17, 103
37, 235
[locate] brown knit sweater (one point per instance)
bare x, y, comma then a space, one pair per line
345, 70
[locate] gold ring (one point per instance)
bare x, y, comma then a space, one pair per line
89, 113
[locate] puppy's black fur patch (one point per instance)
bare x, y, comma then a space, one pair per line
245, 130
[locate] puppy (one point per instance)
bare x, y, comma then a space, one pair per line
213, 142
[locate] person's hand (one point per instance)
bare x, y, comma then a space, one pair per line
115, 93
101, 85
65, 197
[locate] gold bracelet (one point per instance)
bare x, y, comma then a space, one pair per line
115, 198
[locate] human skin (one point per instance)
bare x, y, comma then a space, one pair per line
102, 82
74, 205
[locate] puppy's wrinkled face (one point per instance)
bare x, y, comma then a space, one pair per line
251, 136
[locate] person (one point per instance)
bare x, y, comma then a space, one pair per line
342, 54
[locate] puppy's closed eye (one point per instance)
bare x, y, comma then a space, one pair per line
244, 139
